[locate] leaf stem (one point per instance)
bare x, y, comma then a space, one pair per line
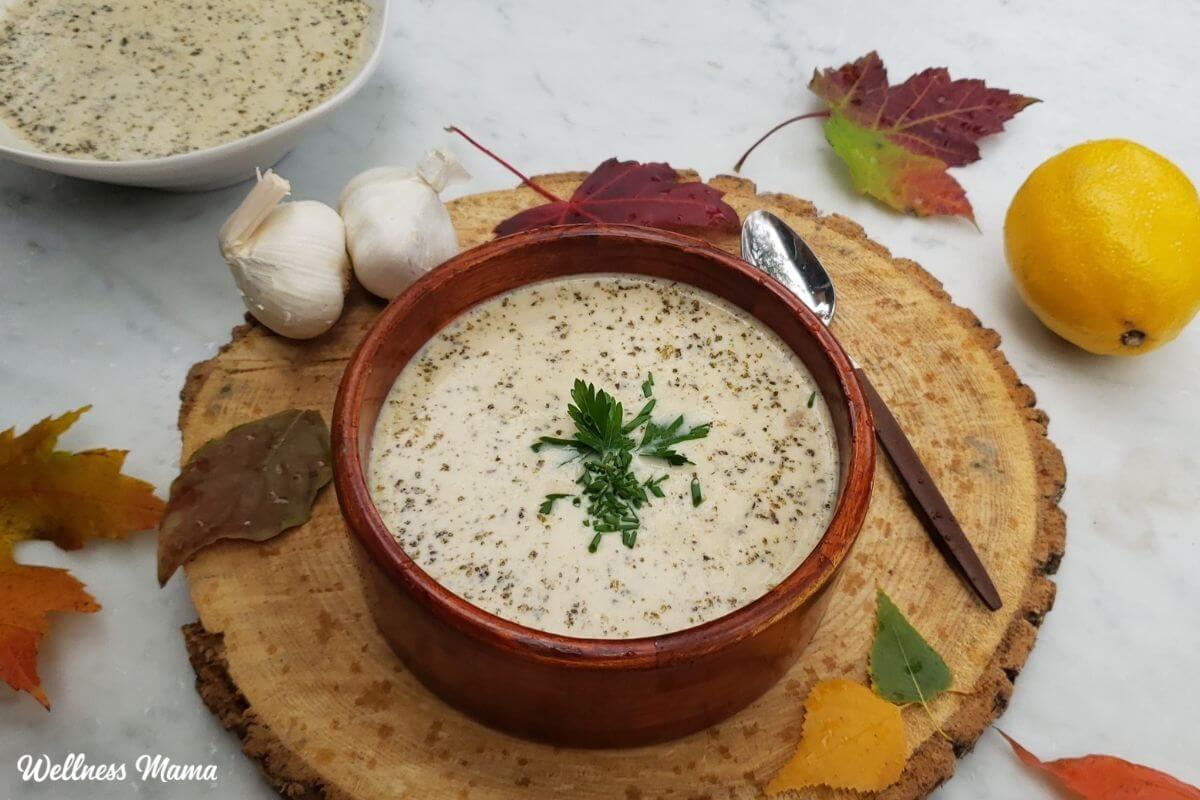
524, 178
812, 115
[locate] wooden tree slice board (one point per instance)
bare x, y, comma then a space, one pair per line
287, 656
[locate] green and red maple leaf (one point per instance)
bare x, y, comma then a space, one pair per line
899, 141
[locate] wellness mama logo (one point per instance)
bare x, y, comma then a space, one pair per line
75, 768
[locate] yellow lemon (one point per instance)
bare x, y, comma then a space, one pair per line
1104, 243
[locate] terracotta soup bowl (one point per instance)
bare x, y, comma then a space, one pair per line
575, 691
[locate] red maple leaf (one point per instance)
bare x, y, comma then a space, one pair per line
1107, 778
623, 192
898, 141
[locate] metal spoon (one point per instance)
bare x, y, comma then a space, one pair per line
772, 246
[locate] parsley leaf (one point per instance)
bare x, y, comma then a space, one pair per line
605, 447
658, 440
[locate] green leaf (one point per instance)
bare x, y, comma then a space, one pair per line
904, 668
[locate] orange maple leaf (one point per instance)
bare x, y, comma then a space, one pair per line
1106, 777
68, 499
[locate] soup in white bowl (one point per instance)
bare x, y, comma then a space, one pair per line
121, 92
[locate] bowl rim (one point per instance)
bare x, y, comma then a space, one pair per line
377, 22
531, 644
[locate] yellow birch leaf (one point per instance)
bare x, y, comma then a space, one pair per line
852, 739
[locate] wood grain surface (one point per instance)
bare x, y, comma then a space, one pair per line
287, 656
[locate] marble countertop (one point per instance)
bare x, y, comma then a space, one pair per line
108, 295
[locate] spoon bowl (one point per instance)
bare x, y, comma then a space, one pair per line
771, 245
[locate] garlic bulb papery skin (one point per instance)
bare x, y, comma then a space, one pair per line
289, 259
397, 227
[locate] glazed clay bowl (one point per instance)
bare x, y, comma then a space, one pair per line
574, 691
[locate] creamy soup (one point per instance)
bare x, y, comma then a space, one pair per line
126, 79
457, 481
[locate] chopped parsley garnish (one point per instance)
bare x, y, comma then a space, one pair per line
605, 444
653, 485
548, 505
812, 398
697, 498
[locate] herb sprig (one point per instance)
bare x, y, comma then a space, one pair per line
605, 444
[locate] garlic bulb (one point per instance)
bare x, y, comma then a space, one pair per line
397, 228
289, 259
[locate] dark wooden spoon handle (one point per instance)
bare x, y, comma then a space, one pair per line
928, 502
